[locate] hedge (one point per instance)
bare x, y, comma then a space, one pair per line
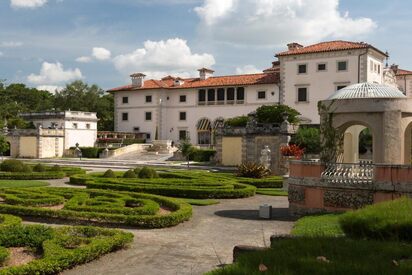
61, 248
50, 172
202, 155
269, 182
182, 184
390, 220
95, 206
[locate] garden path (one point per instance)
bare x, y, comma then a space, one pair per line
196, 246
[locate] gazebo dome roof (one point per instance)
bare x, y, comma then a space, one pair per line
367, 90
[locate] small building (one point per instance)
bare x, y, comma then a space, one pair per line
77, 127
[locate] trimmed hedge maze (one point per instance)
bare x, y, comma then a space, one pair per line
55, 249
95, 206
182, 184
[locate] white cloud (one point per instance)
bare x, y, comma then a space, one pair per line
101, 53
275, 22
50, 88
10, 44
247, 69
159, 58
53, 73
31, 4
84, 59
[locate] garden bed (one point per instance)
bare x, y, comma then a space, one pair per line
94, 207
38, 249
182, 184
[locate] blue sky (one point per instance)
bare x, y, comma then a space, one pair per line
48, 43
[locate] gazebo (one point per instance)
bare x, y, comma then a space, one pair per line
344, 182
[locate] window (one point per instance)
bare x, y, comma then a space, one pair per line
202, 96
75, 126
342, 66
136, 129
230, 94
182, 135
220, 94
379, 69
148, 116
182, 116
339, 87
148, 136
321, 67
302, 68
371, 65
88, 126
240, 94
182, 98
261, 95
148, 98
302, 94
125, 116
211, 95
125, 99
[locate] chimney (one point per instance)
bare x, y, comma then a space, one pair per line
294, 46
137, 80
205, 73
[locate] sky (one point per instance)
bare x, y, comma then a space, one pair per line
49, 43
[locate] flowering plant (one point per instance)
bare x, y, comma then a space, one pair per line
292, 150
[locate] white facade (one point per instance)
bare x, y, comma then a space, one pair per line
166, 110
79, 127
323, 76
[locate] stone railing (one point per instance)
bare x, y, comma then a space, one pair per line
305, 169
393, 174
348, 173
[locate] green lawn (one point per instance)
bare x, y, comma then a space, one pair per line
21, 183
318, 226
271, 191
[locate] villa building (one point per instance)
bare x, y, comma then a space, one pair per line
174, 108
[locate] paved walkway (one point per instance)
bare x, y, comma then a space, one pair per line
196, 246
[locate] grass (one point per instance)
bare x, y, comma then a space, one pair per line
271, 191
342, 256
318, 226
21, 183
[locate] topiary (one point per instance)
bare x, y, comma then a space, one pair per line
12, 165
129, 174
147, 173
137, 170
39, 168
56, 168
252, 170
26, 169
109, 174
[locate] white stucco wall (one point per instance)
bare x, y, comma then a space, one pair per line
405, 84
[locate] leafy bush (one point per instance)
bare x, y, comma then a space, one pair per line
308, 139
292, 151
31, 176
390, 220
136, 170
95, 206
147, 173
252, 170
129, 174
12, 165
109, 174
239, 121
26, 169
202, 155
91, 152
56, 168
39, 168
274, 114
267, 182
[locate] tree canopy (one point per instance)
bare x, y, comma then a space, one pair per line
76, 96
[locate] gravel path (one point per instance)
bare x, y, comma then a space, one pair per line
196, 246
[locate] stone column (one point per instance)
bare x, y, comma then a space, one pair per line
392, 139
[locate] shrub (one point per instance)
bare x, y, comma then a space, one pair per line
129, 174
26, 169
252, 170
274, 114
137, 170
384, 221
147, 173
308, 139
267, 182
91, 152
12, 165
56, 168
109, 174
39, 168
202, 155
292, 151
239, 121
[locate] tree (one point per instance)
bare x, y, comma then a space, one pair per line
80, 96
187, 149
4, 146
308, 138
275, 113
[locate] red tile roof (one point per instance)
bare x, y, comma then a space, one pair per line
330, 46
232, 80
401, 72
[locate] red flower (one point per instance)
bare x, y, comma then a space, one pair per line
292, 150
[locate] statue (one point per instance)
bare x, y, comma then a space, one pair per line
265, 157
